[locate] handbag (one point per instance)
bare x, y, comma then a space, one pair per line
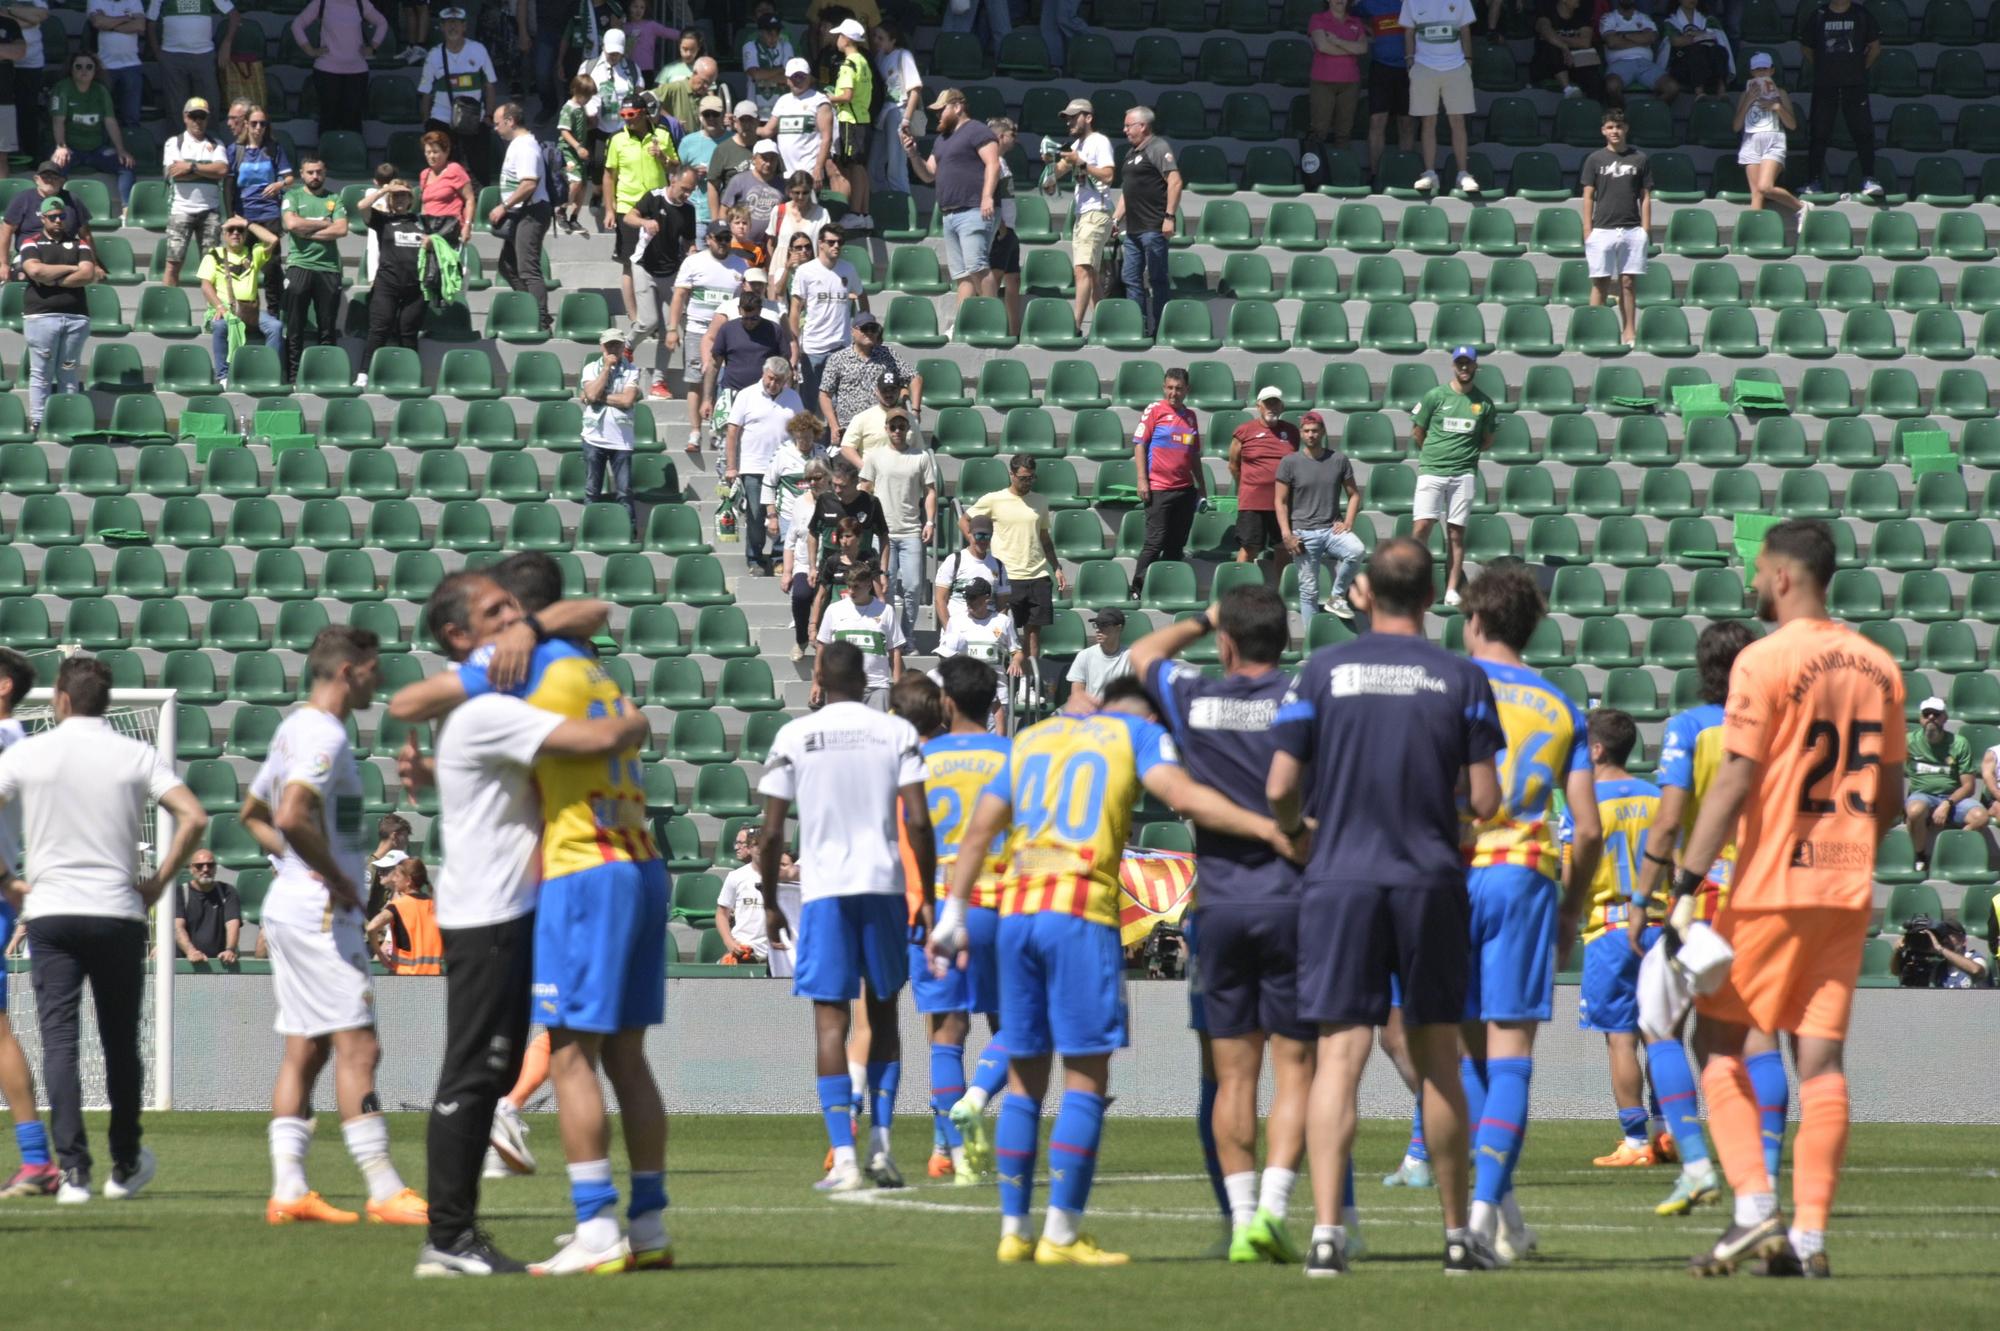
468, 117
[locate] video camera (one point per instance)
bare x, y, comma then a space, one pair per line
1920, 963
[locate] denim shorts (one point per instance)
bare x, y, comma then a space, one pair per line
968, 242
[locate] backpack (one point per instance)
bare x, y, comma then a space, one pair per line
553, 177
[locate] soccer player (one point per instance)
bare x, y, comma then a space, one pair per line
1383, 896
38, 1175
492, 822
1068, 790
853, 773
304, 808
1690, 756
1814, 727
1609, 1003
1523, 924
1246, 920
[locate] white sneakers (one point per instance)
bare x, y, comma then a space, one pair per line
75, 1189
124, 1184
510, 1139
494, 1167
1872, 188
1451, 597
1339, 608
578, 1258
1466, 184
842, 1178
1427, 182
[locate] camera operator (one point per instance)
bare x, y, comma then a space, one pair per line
1934, 954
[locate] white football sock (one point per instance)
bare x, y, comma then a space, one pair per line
958, 1157
289, 1139
1350, 1218
857, 1081
976, 1097
648, 1231
1276, 1194
1013, 1226
1510, 1213
878, 1140
1806, 1242
1242, 1190
843, 1157
1754, 1208
1321, 1233
368, 1142
1059, 1226
1485, 1220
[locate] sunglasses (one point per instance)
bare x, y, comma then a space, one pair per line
84, 64
236, 231
833, 244
982, 536
899, 425
196, 115
259, 124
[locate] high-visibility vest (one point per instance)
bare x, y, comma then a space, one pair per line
418, 946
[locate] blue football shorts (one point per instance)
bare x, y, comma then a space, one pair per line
601, 948
1609, 1000
1062, 986
974, 989
842, 939
1513, 971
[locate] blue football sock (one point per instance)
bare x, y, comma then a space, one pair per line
1417, 1150
591, 1196
1015, 1137
947, 1084
649, 1193
1204, 1124
1347, 1186
33, 1139
990, 1074
1632, 1122
1673, 1082
1073, 1150
883, 1080
1472, 1075
1767, 1079
1656, 1121
833, 1098
1502, 1125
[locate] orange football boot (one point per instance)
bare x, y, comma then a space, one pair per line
1627, 1156
311, 1207
405, 1208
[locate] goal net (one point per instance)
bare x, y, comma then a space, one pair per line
148, 715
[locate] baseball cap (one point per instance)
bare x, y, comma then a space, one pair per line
610, 335
614, 40
49, 168
1931, 704
765, 147
1079, 106
1465, 353
978, 587
867, 319
981, 526
1270, 393
850, 29
797, 66
390, 859
755, 275
946, 98
1761, 60
712, 103
52, 204
636, 102
453, 12
746, 108
889, 379
896, 414
1315, 418
770, 23
194, 104
718, 227
1109, 615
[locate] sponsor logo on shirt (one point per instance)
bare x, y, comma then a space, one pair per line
1389, 681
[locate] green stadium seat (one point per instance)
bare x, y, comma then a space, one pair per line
1826, 234
1391, 328
1595, 331
1557, 232
1529, 491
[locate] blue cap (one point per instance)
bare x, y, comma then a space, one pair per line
1465, 353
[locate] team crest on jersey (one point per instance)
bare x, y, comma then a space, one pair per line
322, 763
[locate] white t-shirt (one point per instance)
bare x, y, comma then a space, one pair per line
763, 419
1094, 150
1614, 22
82, 789
828, 294
898, 71
34, 57
1093, 669
472, 73
709, 281
798, 129
842, 768
490, 814
116, 50
959, 570
311, 749
11, 733
785, 485
607, 426
523, 162
876, 629
187, 27
1760, 118
192, 197
743, 897
615, 83
990, 639
1436, 23
899, 478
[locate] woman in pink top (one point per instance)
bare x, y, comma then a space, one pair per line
1338, 40
340, 59
646, 39
446, 191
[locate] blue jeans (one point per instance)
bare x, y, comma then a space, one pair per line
106, 160
755, 533
547, 87
619, 460
55, 347
968, 242
812, 368
999, 22
1061, 20
1146, 258
906, 577
128, 87
890, 167
273, 333
1343, 550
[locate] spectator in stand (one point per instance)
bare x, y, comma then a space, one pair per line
1092, 669
23, 220
521, 218
972, 562
981, 632
902, 104
1146, 208
392, 845
740, 339
1765, 114
691, 47
410, 941
196, 165
758, 418
760, 189
647, 38
904, 477
13, 46
853, 100
850, 378
868, 431
232, 121
396, 298
184, 47
330, 33
260, 175
1617, 182
208, 917
1451, 426
231, 276
825, 295
1698, 54
739, 907
704, 283
1388, 78
844, 547
801, 214
1566, 51
119, 25
55, 312
1840, 41
1061, 20
845, 499
464, 89
1989, 777
1166, 453
965, 166
801, 124
870, 623
315, 222
681, 99
801, 578
764, 59
1437, 41
87, 133
1628, 35
1942, 781
697, 149
609, 389
1088, 160
667, 231
733, 154
1005, 255
616, 79
993, 17
786, 494
446, 190
1257, 448
1021, 538
636, 161
573, 132
1338, 40
538, 35
1307, 496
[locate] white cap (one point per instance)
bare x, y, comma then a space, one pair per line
797, 66
614, 40
1270, 393
391, 859
755, 275
1761, 60
747, 108
1932, 704
765, 146
851, 30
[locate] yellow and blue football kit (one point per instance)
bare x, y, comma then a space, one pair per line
601, 921
958, 770
1609, 1000
1690, 756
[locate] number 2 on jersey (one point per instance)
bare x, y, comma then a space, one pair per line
1827, 734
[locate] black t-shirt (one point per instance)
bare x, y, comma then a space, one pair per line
1838, 44
24, 215
399, 239
39, 299
742, 350
206, 914
10, 31
665, 251
729, 158
866, 509
1616, 180
1146, 172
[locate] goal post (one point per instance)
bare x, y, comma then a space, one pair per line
147, 715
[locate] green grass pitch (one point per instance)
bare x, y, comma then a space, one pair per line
1917, 1235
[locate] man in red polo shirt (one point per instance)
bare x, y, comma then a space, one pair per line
1255, 450
1166, 451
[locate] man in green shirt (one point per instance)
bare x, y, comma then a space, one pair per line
1941, 776
1451, 425
853, 93
315, 222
